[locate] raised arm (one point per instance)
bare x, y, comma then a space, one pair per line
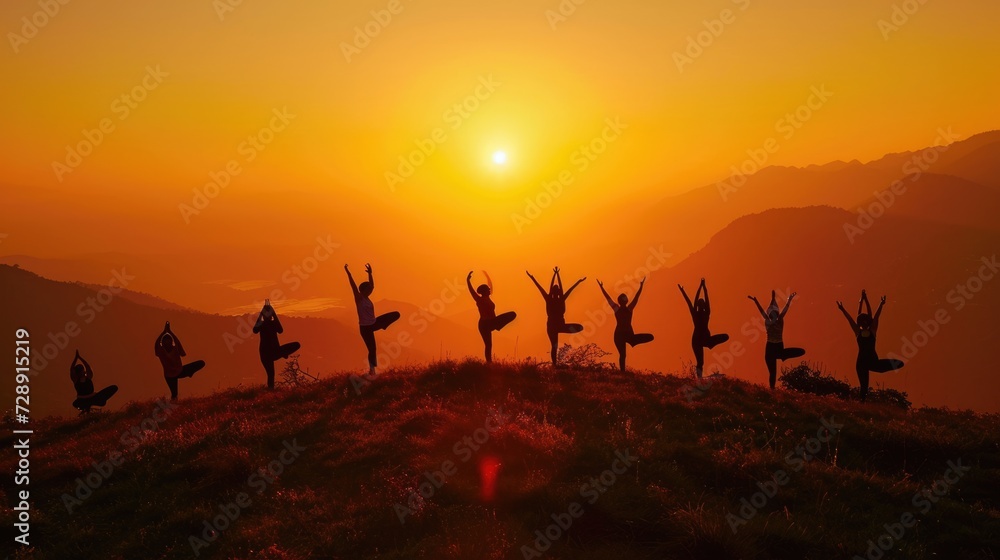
687, 299
86, 366
635, 300
878, 313
788, 303
350, 278
611, 302
556, 280
371, 279
159, 338
708, 302
759, 308
468, 282
277, 322
72, 366
537, 285
573, 287
854, 325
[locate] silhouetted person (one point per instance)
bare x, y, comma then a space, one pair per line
269, 327
367, 320
169, 350
623, 322
83, 382
702, 338
865, 329
774, 324
489, 321
555, 309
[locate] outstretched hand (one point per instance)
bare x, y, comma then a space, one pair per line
883, 300
599, 283
752, 298
555, 269
469, 277
580, 281
681, 287
702, 281
529, 274
368, 268
347, 268
643, 281
840, 305
791, 297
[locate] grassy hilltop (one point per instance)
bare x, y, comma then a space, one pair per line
505, 455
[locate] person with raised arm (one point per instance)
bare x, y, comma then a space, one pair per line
624, 335
555, 309
269, 327
170, 351
489, 321
367, 321
83, 381
701, 311
865, 330
774, 325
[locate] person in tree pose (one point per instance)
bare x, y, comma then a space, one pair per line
367, 320
624, 335
865, 328
489, 321
701, 311
555, 309
169, 350
83, 381
269, 327
774, 324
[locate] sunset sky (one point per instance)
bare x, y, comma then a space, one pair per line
555, 84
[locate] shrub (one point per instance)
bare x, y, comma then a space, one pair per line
587, 357
807, 379
813, 380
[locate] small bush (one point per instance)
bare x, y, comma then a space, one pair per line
586, 357
806, 379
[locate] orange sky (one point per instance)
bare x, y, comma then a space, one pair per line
554, 86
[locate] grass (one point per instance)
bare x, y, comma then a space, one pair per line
554, 431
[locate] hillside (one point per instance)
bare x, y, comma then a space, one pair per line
354, 461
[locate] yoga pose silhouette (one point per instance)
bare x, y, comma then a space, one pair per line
774, 324
623, 322
169, 350
555, 308
489, 321
702, 337
865, 329
367, 320
269, 327
83, 381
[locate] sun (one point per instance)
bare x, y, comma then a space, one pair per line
500, 157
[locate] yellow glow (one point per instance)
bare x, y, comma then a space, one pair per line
500, 157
